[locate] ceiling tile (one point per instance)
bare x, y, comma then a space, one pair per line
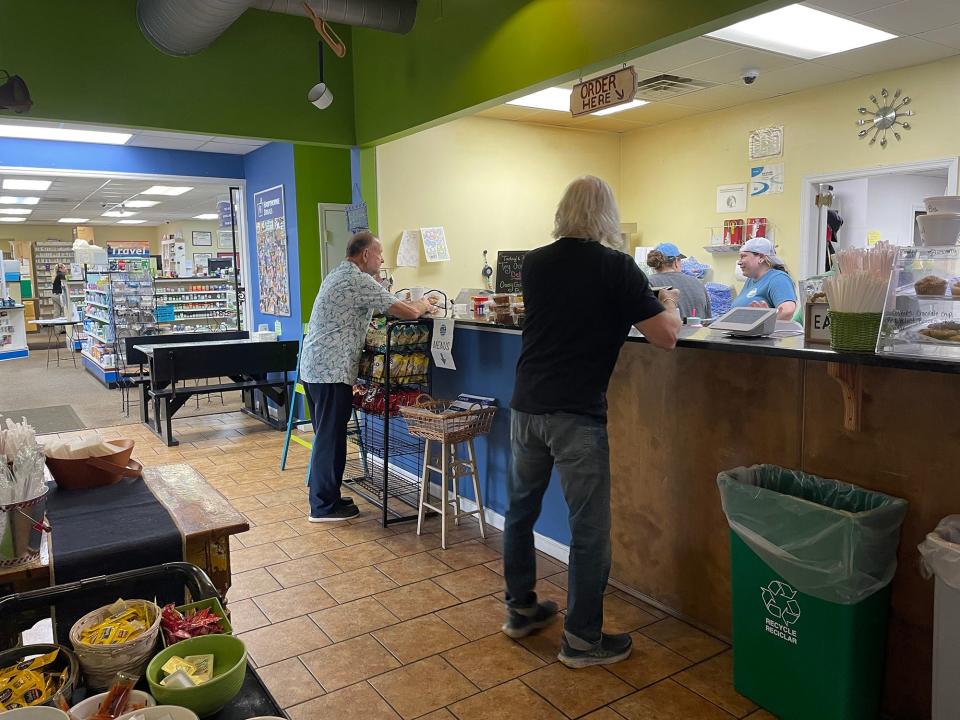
849, 7
165, 143
897, 53
728, 68
660, 112
230, 148
240, 141
685, 53
911, 17
802, 77
723, 96
949, 36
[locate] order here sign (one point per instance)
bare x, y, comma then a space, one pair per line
602, 92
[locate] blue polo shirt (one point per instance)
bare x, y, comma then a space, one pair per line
774, 288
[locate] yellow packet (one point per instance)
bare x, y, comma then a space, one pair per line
31, 664
204, 667
177, 663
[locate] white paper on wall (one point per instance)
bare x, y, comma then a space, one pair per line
435, 244
408, 253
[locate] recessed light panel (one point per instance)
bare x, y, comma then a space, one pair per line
118, 213
801, 32
130, 222
13, 200
206, 216
74, 220
140, 203
20, 184
15, 211
550, 99
33, 132
620, 108
6, 218
167, 190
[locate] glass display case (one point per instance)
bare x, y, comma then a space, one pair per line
921, 317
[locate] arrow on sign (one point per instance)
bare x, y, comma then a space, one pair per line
619, 95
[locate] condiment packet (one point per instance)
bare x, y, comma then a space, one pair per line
203, 668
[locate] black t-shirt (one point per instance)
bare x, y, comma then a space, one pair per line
581, 299
58, 283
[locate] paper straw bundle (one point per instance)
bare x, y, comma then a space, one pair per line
861, 285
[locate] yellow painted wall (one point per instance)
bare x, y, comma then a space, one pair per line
492, 184
670, 172
186, 228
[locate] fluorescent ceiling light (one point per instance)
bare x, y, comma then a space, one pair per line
130, 222
206, 216
140, 203
12, 200
118, 213
74, 220
18, 184
620, 108
15, 211
166, 190
802, 32
550, 99
33, 132
12, 219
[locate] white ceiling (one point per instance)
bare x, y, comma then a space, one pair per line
85, 197
928, 30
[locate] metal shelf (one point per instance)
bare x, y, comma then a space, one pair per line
723, 249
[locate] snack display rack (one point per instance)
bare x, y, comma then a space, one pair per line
384, 461
921, 317
47, 254
132, 297
196, 304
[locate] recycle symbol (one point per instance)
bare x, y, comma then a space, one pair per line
778, 597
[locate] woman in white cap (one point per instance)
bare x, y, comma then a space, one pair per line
768, 284
665, 260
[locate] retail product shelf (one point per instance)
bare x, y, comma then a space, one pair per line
99, 305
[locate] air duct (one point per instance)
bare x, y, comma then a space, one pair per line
185, 27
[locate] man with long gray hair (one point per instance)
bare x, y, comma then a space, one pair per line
341, 313
559, 408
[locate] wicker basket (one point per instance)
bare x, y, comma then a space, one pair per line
101, 663
433, 420
854, 332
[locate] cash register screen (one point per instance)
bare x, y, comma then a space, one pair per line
744, 316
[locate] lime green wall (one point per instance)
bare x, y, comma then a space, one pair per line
322, 176
463, 54
89, 62
369, 187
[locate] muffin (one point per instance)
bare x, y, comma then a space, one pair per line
955, 290
930, 285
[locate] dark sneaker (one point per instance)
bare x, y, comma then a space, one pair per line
346, 500
340, 512
519, 625
612, 648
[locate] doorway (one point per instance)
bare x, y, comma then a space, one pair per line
872, 203
334, 235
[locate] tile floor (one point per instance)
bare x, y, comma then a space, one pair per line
355, 621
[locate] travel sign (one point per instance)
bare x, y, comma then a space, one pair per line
606, 91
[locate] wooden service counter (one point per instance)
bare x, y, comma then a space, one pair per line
677, 419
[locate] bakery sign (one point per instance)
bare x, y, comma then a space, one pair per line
606, 91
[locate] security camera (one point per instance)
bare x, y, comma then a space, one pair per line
749, 76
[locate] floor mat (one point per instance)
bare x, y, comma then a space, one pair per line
53, 419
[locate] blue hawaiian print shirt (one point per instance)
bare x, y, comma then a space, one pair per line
341, 313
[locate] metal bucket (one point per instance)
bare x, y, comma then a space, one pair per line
21, 530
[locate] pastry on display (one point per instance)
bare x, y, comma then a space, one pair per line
930, 285
955, 290
948, 331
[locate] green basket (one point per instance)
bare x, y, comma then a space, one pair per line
214, 605
854, 332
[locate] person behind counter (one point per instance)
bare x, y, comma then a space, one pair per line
559, 416
665, 260
59, 282
768, 284
329, 361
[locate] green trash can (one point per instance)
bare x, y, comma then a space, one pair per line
811, 565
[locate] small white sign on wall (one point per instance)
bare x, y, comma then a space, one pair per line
732, 198
766, 179
765, 143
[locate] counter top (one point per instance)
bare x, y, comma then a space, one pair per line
792, 347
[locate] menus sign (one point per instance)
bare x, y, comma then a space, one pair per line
441, 344
509, 263
606, 91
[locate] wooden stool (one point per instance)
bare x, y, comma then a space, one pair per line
451, 470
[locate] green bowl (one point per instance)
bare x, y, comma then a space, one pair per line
229, 669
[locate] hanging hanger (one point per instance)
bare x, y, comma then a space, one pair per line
328, 34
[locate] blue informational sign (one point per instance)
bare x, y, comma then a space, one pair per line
224, 219
128, 252
163, 313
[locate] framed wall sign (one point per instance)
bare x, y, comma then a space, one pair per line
202, 238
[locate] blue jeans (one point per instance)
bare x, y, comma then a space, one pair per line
330, 407
577, 445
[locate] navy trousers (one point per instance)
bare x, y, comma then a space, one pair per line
330, 406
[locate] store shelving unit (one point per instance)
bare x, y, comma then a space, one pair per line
98, 354
173, 256
386, 461
196, 304
46, 255
132, 298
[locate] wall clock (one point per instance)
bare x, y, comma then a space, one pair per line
887, 115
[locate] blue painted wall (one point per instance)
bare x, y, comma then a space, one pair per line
117, 158
486, 365
265, 168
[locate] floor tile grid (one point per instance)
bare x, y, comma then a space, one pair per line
233, 451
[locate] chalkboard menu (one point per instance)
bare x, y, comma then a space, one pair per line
509, 263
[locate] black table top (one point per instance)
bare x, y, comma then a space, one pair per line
148, 349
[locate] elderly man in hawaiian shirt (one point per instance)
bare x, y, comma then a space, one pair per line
348, 298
